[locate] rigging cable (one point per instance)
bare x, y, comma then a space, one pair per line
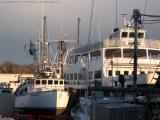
90, 23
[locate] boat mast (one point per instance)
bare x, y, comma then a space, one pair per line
43, 46
78, 29
62, 51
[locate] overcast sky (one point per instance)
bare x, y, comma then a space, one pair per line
20, 21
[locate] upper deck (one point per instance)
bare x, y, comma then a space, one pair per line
121, 38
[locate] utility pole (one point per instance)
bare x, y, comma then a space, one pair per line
136, 16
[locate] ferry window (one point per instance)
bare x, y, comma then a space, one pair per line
56, 82
97, 74
140, 35
117, 73
71, 59
67, 76
90, 75
44, 82
126, 73
155, 54
77, 58
95, 53
64, 76
37, 82
130, 53
60, 82
79, 76
109, 72
113, 52
142, 72
124, 34
75, 76
50, 82
71, 76
131, 34
65, 82
84, 57
150, 72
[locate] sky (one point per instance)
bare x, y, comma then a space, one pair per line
20, 21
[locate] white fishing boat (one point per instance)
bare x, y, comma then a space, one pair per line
44, 93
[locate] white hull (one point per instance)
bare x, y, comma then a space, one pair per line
45, 100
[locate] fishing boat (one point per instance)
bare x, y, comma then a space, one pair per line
45, 92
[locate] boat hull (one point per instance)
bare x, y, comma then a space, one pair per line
54, 101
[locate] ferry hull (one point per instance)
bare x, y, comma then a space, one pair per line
43, 102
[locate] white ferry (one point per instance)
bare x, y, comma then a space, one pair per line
112, 57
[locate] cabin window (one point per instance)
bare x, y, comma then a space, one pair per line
50, 82
97, 74
130, 53
44, 82
140, 35
154, 54
60, 82
124, 34
56, 82
37, 82
117, 73
110, 53
109, 72
126, 73
31, 81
